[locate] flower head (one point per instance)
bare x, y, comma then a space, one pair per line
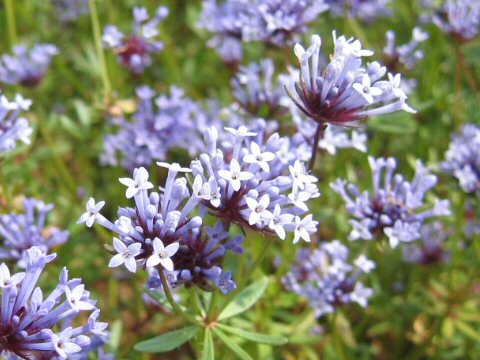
327, 279
36, 327
395, 207
13, 127
27, 66
22, 231
344, 92
134, 51
462, 160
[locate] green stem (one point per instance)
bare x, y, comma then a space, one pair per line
178, 310
11, 23
337, 337
107, 88
62, 168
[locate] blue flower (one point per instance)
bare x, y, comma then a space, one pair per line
133, 52
159, 124
255, 180
326, 278
70, 10
344, 92
20, 232
13, 127
395, 207
462, 160
161, 233
37, 327
27, 66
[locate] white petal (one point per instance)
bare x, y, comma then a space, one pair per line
153, 260
172, 249
117, 260
131, 264
167, 264
119, 246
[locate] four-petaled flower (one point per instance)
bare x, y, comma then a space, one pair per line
126, 255
278, 221
257, 157
303, 228
90, 216
259, 209
300, 176
366, 89
139, 182
235, 176
74, 298
161, 254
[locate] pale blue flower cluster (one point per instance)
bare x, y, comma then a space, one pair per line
160, 232
462, 158
255, 180
344, 91
159, 124
70, 10
430, 249
27, 66
327, 279
20, 232
134, 51
406, 55
13, 127
459, 18
276, 22
365, 10
38, 327
395, 208
258, 92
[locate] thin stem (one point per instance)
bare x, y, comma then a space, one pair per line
319, 134
61, 166
260, 257
337, 337
457, 87
178, 310
11, 23
469, 74
107, 88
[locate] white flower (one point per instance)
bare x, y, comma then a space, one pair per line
300, 177
366, 89
74, 298
211, 191
259, 209
257, 157
126, 255
235, 176
161, 254
139, 182
303, 228
241, 132
90, 216
278, 221
63, 344
364, 264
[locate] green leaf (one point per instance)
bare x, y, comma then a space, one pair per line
245, 299
254, 336
468, 330
116, 331
167, 342
242, 354
208, 349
